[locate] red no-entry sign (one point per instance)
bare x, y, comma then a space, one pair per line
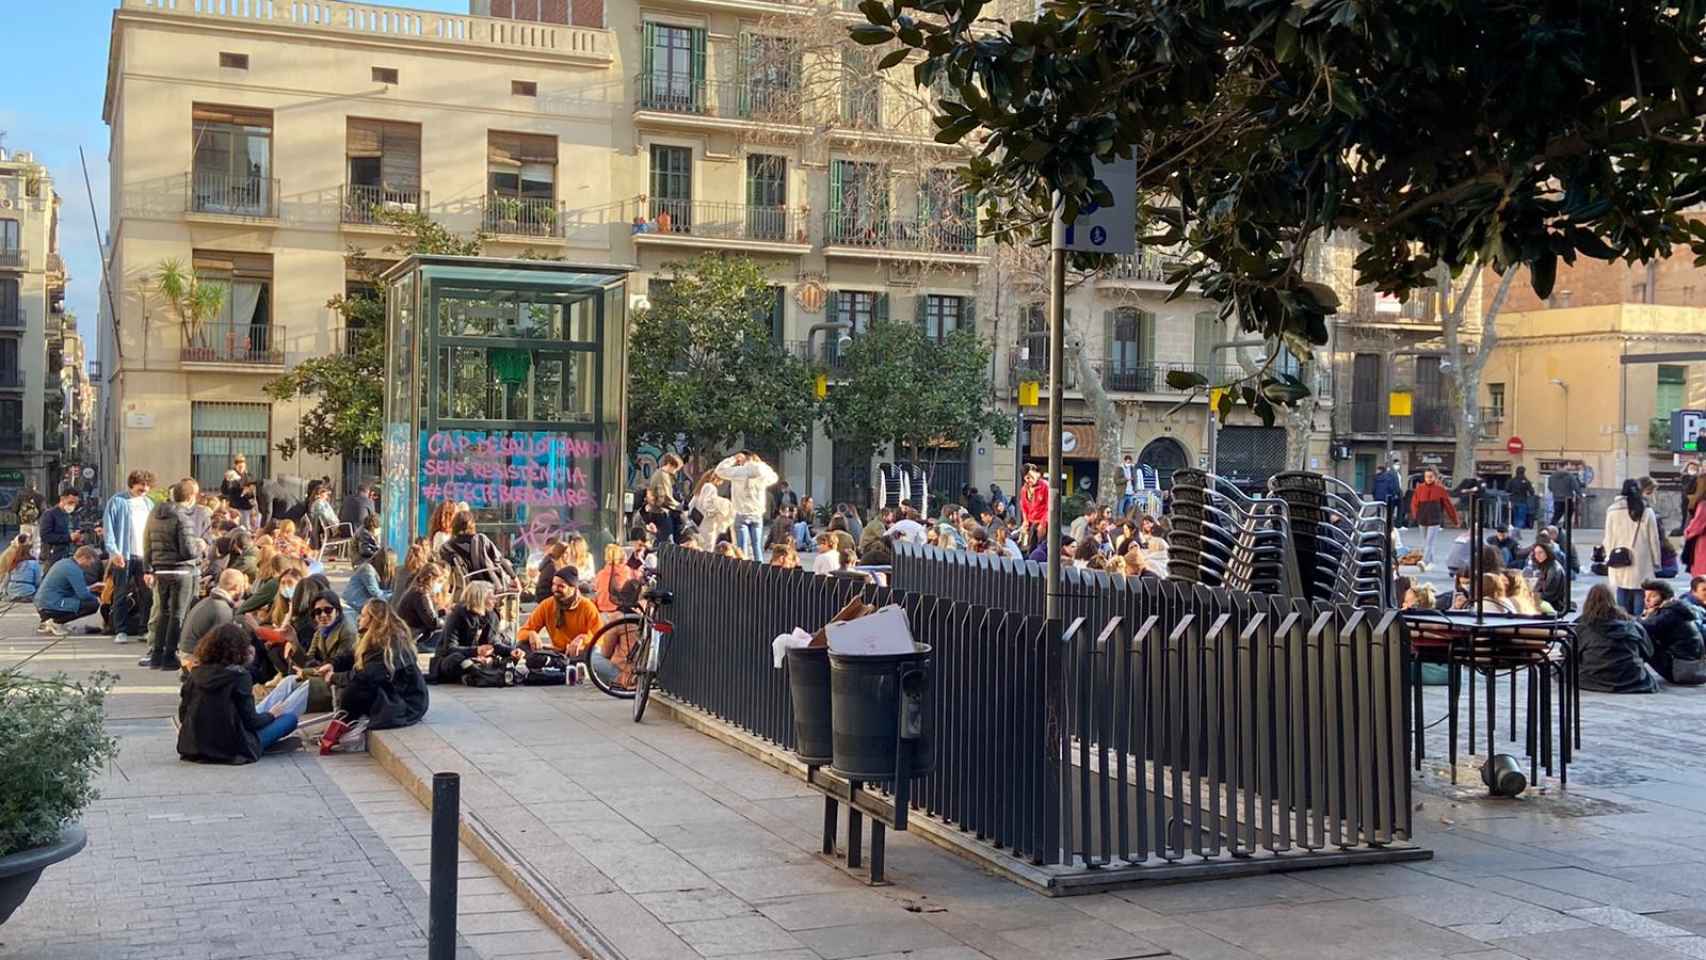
1513, 446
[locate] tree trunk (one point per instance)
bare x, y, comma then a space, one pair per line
1466, 368
1110, 424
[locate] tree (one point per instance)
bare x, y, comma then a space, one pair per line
195, 301
1259, 126
702, 363
897, 386
1466, 363
348, 388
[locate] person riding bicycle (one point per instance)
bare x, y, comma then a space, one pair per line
566, 620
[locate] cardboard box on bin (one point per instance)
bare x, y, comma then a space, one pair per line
855, 609
875, 633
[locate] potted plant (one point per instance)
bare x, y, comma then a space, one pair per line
53, 741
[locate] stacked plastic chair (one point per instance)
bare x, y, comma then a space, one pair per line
1223, 538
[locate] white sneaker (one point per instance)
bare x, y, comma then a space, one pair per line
50, 628
121, 638
145, 662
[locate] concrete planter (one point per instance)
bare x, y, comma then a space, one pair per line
20, 871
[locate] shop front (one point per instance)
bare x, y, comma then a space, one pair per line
507, 393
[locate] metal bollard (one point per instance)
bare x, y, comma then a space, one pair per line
441, 923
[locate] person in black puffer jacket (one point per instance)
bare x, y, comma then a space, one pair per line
381, 679
1679, 652
218, 719
475, 554
470, 635
1551, 582
1612, 647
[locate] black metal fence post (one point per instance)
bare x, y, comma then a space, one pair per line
441, 923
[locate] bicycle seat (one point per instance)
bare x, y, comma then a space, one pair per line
660, 597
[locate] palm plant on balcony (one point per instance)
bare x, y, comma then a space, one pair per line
193, 300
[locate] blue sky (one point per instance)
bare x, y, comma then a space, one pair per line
53, 69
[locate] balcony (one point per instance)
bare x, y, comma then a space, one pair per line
1151, 376
226, 343
682, 101
686, 223
533, 217
1430, 420
1150, 266
860, 235
1029, 362
225, 195
1492, 422
1658, 433
13, 259
55, 270
363, 204
368, 23
11, 316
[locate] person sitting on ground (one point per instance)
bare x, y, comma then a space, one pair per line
366, 581
1612, 648
380, 679
1493, 594
422, 608
218, 719
266, 588
210, 613
878, 553
875, 528
279, 612
843, 537
727, 549
470, 636
367, 537
550, 558
1551, 582
1697, 595
612, 577
828, 557
566, 620
1509, 546
1519, 595
334, 633
578, 555
783, 555
64, 594
418, 556
1678, 647
19, 571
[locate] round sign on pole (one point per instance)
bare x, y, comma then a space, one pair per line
1514, 446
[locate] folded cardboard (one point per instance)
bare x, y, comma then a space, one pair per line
882, 633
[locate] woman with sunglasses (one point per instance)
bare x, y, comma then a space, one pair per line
380, 679
334, 635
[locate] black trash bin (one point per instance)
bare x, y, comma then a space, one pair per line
865, 707
808, 690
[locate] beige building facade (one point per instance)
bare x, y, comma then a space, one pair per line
32, 312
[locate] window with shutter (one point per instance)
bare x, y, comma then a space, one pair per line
232, 165
673, 61
672, 188
766, 196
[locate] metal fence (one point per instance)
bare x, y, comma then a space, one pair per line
1165, 729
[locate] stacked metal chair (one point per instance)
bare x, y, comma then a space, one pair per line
1339, 538
1223, 538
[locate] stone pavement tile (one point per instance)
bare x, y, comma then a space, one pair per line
1379, 881
667, 805
1592, 943
517, 941
1633, 924
932, 953
1522, 923
630, 927
514, 921
1494, 954
1236, 892
1470, 906
1694, 921
863, 939
676, 906
1683, 879
1336, 930
734, 935
1189, 943
1601, 888
774, 883
818, 910
1465, 854
1614, 852
1529, 893
1088, 939
1122, 913
1687, 946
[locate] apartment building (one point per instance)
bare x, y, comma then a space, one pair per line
32, 311
251, 143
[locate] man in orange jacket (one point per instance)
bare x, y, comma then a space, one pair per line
566, 619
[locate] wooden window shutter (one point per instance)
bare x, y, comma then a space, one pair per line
400, 164
1146, 335
204, 113
968, 313
503, 149
364, 138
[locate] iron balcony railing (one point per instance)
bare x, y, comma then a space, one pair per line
1148, 266
523, 216
14, 259
717, 221
230, 195
363, 204
862, 109
843, 228
223, 341
826, 354
762, 99
1426, 419
1151, 376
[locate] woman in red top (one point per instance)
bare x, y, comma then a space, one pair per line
612, 577
1033, 506
1430, 505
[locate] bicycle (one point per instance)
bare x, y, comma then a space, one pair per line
644, 637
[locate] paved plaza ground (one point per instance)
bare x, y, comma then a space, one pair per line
653, 841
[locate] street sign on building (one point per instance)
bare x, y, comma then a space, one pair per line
1111, 229
1685, 429
1514, 446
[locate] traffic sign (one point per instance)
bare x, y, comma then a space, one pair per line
1685, 429
1110, 229
1514, 446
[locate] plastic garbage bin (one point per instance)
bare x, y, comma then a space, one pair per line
808, 691
865, 695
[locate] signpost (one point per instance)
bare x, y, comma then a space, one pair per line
1109, 229
1685, 429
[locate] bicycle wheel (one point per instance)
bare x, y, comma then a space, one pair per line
603, 674
642, 693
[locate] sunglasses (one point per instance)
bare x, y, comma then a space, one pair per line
324, 611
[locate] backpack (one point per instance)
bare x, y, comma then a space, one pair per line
484, 674
546, 668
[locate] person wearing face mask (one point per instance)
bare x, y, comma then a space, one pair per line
423, 605
266, 586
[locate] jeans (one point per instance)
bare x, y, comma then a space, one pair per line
749, 536
130, 598
1428, 534
1519, 516
291, 692
1632, 601
174, 591
1127, 502
66, 616
1562, 509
